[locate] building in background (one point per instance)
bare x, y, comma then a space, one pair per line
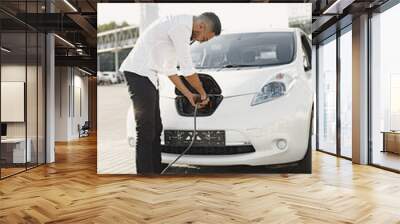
148, 14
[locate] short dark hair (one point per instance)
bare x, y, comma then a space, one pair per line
213, 18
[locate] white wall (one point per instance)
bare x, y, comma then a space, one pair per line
62, 81
80, 94
70, 84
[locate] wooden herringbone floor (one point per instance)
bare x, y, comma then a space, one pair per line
70, 191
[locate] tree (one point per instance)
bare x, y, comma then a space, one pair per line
110, 26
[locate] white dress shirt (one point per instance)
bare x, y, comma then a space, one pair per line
159, 49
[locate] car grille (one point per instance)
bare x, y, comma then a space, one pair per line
201, 150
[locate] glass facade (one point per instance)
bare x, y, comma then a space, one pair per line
22, 79
385, 89
327, 96
346, 93
334, 75
314, 81
334, 96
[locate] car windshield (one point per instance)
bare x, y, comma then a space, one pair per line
244, 50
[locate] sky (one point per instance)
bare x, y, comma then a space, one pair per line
254, 15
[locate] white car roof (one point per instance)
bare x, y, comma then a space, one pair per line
258, 30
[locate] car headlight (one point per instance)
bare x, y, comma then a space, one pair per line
269, 92
275, 88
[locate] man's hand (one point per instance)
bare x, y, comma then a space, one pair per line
204, 100
195, 82
182, 88
196, 99
192, 98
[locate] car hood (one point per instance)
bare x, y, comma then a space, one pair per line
233, 81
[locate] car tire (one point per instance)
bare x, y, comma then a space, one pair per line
305, 165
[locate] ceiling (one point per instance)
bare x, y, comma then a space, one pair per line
331, 15
74, 22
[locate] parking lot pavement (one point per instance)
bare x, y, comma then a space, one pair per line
113, 153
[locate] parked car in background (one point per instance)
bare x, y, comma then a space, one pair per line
107, 78
100, 78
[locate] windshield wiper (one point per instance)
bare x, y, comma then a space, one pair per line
229, 66
238, 65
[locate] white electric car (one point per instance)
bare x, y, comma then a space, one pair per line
261, 102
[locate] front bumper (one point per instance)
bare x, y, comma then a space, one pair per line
261, 126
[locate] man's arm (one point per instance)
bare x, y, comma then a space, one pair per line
183, 89
196, 83
181, 40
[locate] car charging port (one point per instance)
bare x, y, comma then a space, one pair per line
213, 91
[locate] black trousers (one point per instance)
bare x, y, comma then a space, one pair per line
145, 98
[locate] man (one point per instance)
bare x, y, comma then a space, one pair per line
163, 46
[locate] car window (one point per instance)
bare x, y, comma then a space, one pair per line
245, 49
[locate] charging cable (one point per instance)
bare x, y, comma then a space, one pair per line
191, 143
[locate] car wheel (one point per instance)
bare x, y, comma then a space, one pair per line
305, 165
